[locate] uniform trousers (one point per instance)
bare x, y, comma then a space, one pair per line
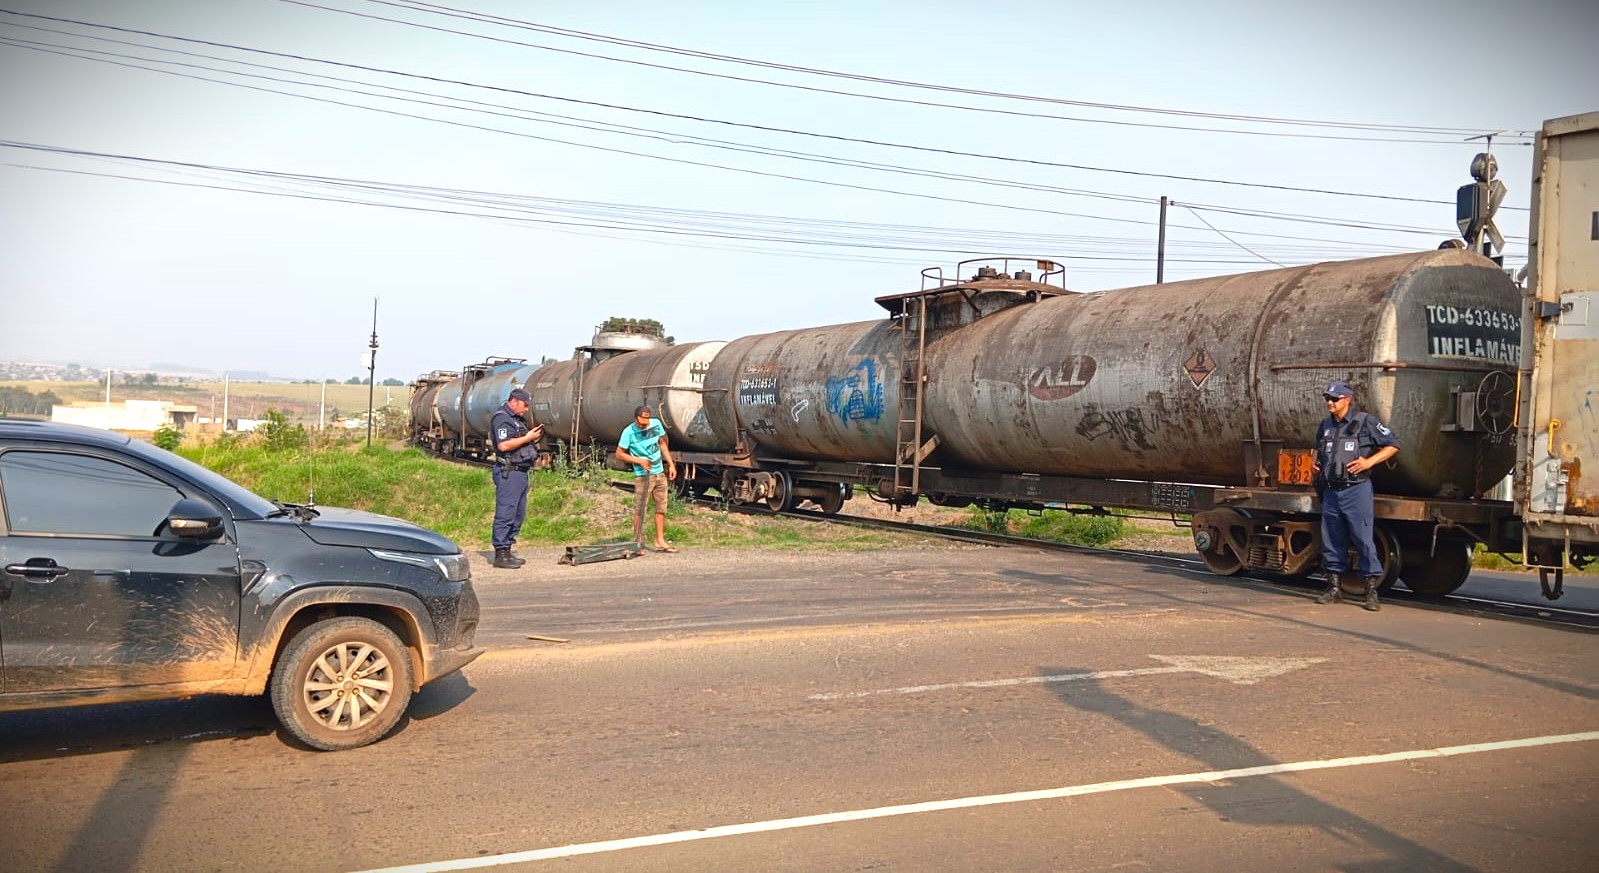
1347, 520
510, 505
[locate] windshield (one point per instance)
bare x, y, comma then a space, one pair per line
243, 502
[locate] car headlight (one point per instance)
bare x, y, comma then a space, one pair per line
454, 568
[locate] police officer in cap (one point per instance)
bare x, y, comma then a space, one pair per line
1348, 445
515, 446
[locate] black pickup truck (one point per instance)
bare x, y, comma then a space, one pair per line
130, 573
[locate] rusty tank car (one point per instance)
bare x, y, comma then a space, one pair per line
1197, 398
1173, 381
670, 380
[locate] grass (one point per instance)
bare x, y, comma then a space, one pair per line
573, 505
566, 506
1052, 525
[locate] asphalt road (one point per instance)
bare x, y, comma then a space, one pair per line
931, 709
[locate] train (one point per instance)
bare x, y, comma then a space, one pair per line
995, 385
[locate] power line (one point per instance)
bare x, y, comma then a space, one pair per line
623, 217
716, 121
1456, 133
714, 144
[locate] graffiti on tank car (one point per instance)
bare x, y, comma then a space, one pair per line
697, 371
798, 409
1473, 333
1128, 426
858, 396
699, 425
1060, 381
758, 391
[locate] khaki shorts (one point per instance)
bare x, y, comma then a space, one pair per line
641, 493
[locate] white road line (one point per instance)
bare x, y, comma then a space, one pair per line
807, 821
1239, 671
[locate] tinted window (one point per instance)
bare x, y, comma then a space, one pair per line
57, 492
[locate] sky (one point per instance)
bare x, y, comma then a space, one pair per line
230, 184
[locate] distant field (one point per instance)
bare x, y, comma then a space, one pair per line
245, 399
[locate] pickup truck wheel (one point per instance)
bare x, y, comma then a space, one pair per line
342, 683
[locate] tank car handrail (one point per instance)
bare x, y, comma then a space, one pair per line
1391, 365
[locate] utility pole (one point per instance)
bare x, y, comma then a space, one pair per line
224, 401
371, 371
108, 373
1160, 249
322, 408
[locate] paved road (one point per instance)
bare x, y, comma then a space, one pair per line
930, 709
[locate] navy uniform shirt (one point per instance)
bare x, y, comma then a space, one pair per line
1359, 435
505, 425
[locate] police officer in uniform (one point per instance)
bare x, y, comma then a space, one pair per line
515, 448
1348, 445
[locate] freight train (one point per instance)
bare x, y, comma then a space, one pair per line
998, 387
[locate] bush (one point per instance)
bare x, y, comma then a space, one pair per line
168, 437
278, 435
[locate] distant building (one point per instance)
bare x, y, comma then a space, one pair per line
138, 415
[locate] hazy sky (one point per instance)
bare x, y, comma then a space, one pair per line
506, 175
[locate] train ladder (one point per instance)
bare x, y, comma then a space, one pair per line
908, 452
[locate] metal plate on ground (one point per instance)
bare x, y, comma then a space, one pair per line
601, 552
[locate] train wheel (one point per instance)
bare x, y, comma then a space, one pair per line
782, 497
833, 500
1222, 563
1389, 552
1435, 575
1218, 537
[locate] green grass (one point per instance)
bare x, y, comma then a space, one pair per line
580, 505
1052, 525
565, 506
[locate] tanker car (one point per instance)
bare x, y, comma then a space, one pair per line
1199, 399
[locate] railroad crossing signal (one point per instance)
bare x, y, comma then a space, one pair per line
1476, 204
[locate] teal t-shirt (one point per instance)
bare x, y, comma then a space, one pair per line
644, 443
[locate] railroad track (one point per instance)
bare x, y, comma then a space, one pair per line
1536, 613
1539, 613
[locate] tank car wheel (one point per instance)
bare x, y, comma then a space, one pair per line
1389, 552
1223, 563
938, 498
1217, 538
1437, 575
833, 500
782, 497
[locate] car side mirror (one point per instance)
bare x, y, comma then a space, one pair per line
194, 520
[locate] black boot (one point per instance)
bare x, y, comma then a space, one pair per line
1333, 594
502, 560
516, 560
1371, 604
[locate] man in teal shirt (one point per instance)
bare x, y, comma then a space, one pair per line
643, 444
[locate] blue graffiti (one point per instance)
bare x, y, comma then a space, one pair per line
858, 396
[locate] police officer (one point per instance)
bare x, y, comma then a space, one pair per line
515, 448
1348, 445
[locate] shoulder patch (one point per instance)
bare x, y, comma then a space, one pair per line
1383, 430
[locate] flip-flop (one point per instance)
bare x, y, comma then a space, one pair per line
671, 550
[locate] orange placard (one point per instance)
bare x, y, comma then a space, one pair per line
1296, 466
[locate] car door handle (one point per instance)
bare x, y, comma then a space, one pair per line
37, 568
